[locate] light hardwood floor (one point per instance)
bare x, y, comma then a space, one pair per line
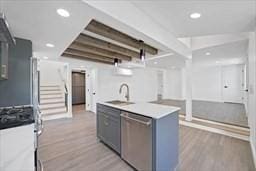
78, 108
71, 145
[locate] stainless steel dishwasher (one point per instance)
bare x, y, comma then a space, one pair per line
136, 140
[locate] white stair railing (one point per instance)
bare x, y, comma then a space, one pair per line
64, 81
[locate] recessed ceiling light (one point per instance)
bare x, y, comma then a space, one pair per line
207, 53
217, 62
63, 12
195, 15
81, 66
155, 62
50, 45
45, 57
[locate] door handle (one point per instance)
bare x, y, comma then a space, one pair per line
40, 127
136, 120
225, 86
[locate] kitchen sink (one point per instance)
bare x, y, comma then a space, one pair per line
119, 102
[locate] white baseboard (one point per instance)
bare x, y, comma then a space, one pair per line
253, 151
217, 123
208, 100
214, 130
173, 98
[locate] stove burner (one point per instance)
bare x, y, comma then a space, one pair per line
15, 116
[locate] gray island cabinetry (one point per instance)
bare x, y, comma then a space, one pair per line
145, 135
108, 126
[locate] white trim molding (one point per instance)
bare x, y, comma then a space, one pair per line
253, 151
214, 130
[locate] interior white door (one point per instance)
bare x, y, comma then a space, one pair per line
232, 83
94, 89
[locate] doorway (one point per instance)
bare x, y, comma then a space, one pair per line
78, 91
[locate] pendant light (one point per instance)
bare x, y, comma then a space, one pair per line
116, 62
142, 51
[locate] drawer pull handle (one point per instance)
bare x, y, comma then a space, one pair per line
136, 120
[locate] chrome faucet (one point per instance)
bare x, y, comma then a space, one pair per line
127, 96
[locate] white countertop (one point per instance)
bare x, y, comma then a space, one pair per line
152, 110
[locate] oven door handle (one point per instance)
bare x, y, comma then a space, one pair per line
41, 165
136, 120
40, 127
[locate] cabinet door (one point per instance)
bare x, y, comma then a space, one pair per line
17, 148
108, 126
113, 132
101, 127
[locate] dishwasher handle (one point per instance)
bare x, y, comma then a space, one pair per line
136, 120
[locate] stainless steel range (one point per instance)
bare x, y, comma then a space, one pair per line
16, 116
17, 138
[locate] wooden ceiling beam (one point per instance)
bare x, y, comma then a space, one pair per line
88, 55
111, 33
98, 51
85, 58
92, 41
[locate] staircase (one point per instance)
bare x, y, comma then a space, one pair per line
52, 102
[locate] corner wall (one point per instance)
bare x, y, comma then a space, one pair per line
252, 93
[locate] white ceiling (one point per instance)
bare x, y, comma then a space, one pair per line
168, 62
225, 54
217, 16
38, 21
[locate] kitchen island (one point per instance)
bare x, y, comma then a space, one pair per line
145, 135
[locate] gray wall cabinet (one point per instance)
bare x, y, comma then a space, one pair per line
108, 126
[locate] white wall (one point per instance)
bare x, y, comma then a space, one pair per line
143, 85
252, 93
208, 82
49, 74
173, 84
